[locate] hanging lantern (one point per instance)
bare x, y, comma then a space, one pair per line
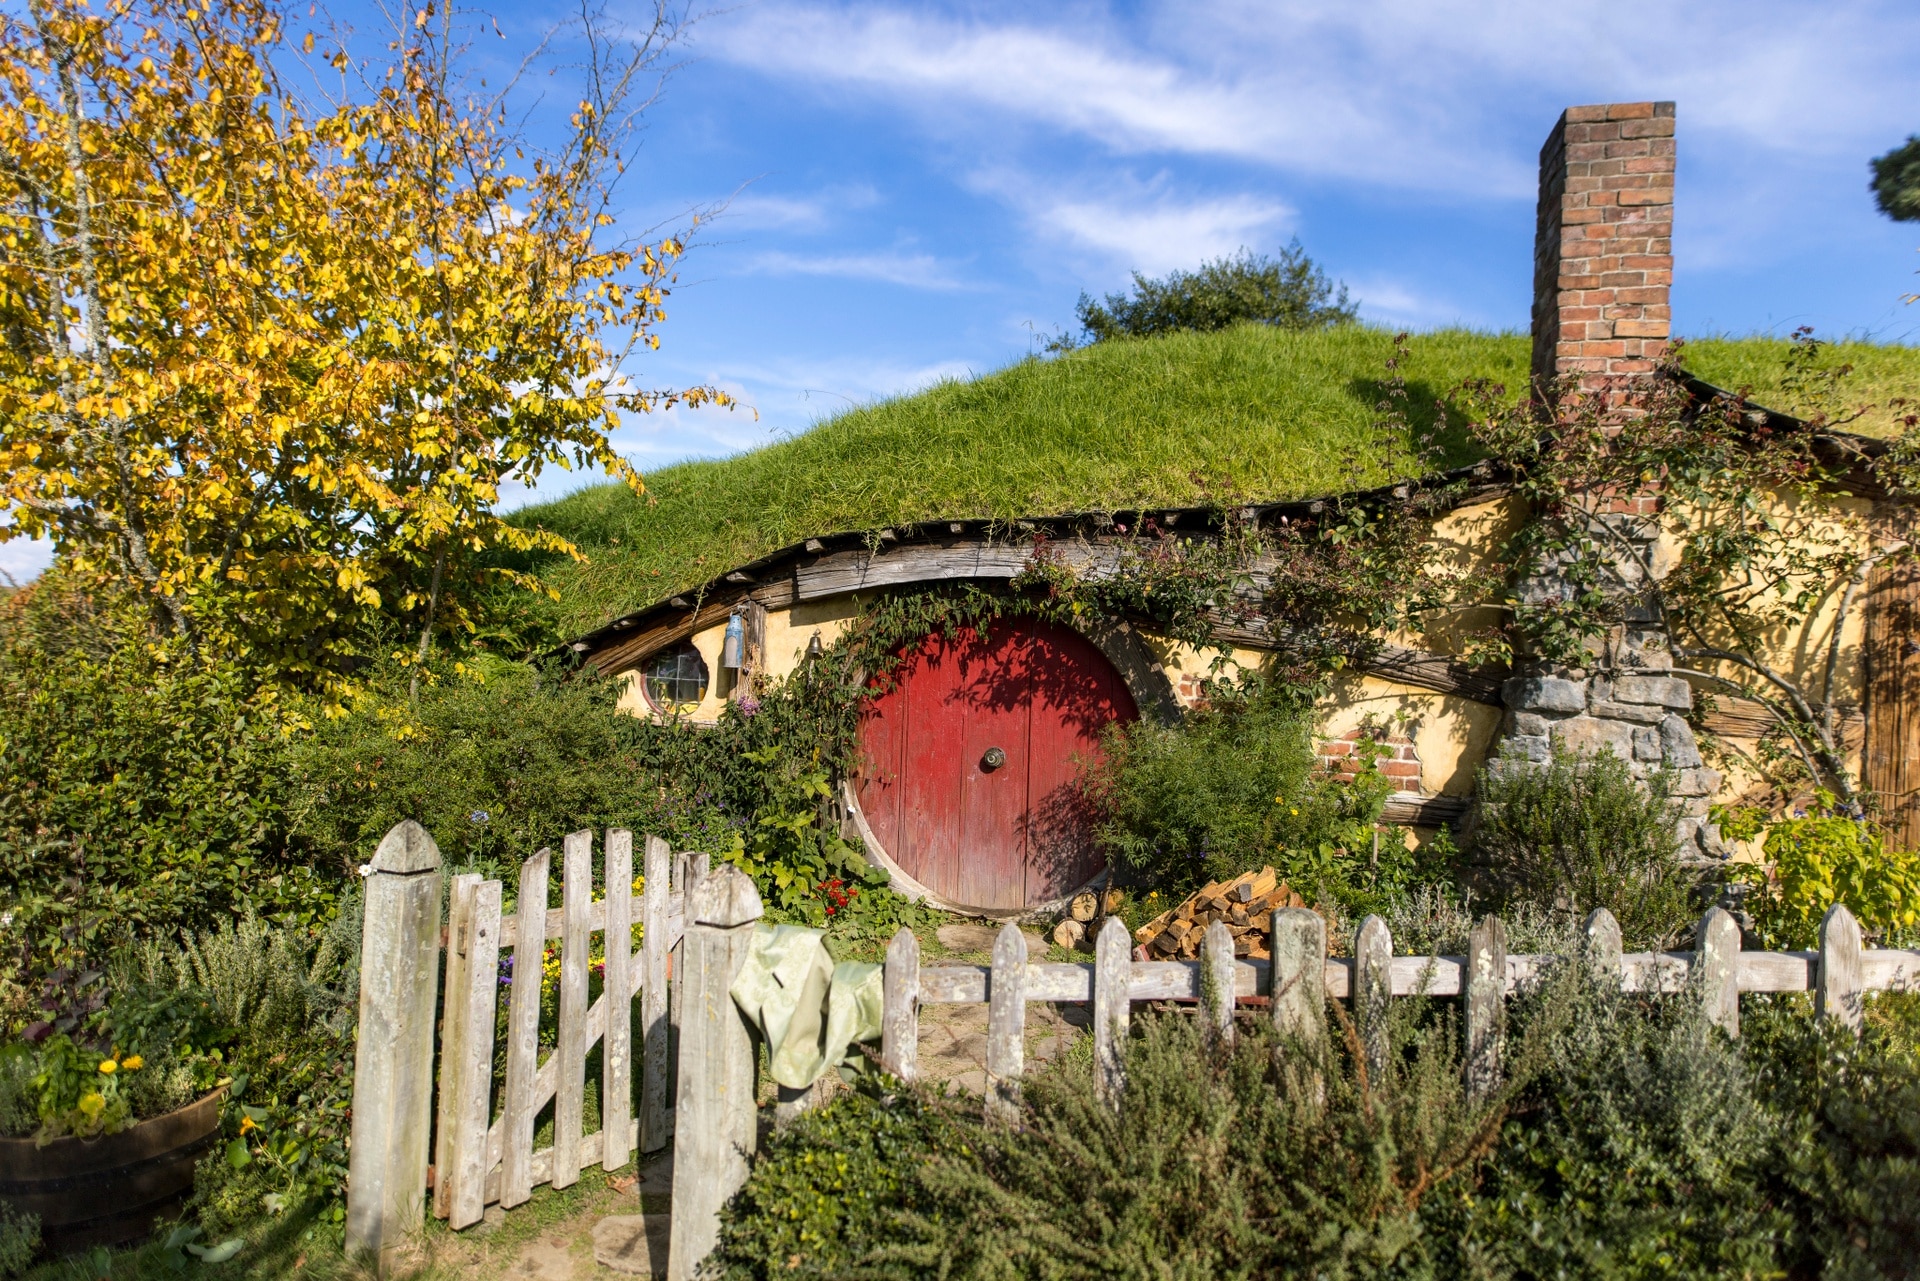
735, 644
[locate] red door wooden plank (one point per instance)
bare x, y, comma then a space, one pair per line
993, 800
879, 784
1074, 693
930, 804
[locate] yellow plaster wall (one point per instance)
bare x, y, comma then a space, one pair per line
1451, 734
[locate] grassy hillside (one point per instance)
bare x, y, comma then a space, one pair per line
1250, 413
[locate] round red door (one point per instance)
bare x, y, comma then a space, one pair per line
968, 779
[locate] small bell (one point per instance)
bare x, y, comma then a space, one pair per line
814, 647
735, 644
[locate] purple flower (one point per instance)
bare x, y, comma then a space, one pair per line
748, 705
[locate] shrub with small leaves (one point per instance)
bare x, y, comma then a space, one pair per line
1579, 832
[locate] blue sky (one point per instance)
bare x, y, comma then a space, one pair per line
924, 190
920, 191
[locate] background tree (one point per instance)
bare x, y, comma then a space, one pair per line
270, 360
1896, 181
1289, 291
1896, 185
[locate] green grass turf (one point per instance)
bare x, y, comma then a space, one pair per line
1250, 413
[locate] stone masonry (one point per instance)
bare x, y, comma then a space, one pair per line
1603, 266
1630, 704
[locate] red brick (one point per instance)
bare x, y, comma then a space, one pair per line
1401, 769
1649, 164
1657, 196
1641, 328
1630, 110
1647, 129
1584, 114
1578, 152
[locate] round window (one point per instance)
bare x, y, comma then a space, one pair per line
676, 680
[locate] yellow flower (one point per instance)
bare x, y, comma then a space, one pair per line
133, 1063
92, 1105
247, 1123
1294, 812
108, 1067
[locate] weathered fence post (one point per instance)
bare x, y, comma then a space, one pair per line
1216, 985
654, 1030
1716, 956
1600, 948
523, 1032
1486, 1001
1839, 988
1373, 992
466, 1050
1112, 1010
1006, 1024
461, 891
616, 989
900, 1014
393, 1057
1299, 991
714, 1126
570, 1055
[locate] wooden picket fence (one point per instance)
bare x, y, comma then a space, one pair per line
1301, 977
483, 1137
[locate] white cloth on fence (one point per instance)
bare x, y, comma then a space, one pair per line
810, 1010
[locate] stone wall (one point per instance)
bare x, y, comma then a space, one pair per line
1629, 704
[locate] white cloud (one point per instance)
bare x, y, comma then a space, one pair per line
1399, 92
1398, 303
756, 211
913, 271
1144, 228
23, 559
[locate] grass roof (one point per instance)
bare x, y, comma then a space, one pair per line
1250, 413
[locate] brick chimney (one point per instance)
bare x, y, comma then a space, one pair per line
1603, 251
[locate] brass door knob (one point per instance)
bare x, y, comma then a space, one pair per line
994, 758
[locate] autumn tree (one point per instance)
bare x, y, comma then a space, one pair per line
270, 355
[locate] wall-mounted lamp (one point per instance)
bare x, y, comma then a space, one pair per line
732, 648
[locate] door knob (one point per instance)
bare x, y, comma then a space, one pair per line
994, 758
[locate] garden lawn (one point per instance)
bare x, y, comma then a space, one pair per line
1251, 413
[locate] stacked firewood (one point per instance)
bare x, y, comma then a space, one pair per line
1076, 927
1245, 905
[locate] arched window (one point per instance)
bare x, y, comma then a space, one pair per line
676, 680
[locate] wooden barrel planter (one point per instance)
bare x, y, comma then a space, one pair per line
108, 1190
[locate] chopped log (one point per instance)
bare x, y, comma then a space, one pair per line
1165, 944
1084, 907
1069, 933
1110, 902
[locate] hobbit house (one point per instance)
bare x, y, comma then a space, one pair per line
964, 789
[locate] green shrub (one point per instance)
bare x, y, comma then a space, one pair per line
1643, 1150
1850, 1154
1819, 858
287, 999
494, 765
140, 786
1232, 787
1576, 833
1263, 1160
1289, 292
19, 1242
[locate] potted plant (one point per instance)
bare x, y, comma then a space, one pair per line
105, 1109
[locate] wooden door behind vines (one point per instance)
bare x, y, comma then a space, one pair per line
1893, 699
